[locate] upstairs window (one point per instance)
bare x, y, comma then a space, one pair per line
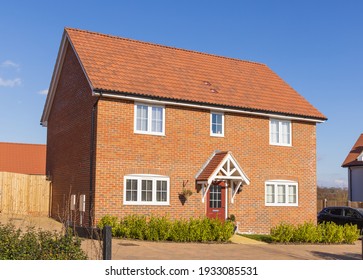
149, 119
216, 124
280, 132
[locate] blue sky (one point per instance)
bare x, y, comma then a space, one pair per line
315, 46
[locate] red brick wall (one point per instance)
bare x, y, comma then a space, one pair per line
68, 138
184, 149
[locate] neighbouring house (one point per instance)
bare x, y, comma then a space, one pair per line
22, 158
136, 127
354, 163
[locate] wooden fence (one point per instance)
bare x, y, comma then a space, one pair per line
332, 202
24, 194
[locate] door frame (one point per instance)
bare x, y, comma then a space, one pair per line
225, 187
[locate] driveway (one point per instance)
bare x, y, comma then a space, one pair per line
144, 250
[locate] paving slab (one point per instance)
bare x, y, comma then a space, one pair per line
123, 249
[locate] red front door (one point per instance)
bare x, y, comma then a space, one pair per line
216, 207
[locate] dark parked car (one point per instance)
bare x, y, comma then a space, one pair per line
342, 215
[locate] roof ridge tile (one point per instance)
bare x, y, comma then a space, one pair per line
164, 46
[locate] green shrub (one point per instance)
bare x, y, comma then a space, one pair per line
179, 231
111, 221
152, 231
9, 242
195, 230
38, 245
206, 230
216, 227
158, 229
282, 233
350, 233
135, 226
227, 231
331, 233
164, 225
309, 233
306, 232
161, 229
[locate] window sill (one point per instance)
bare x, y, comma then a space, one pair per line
281, 145
282, 204
149, 133
217, 135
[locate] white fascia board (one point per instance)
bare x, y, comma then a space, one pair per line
206, 107
54, 81
215, 172
240, 171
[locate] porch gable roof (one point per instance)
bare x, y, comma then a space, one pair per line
222, 166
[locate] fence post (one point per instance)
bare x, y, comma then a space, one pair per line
107, 242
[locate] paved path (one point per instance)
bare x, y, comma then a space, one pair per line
144, 250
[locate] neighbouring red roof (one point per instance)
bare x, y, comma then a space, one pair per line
351, 159
118, 65
23, 158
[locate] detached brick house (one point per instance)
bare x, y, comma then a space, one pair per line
130, 125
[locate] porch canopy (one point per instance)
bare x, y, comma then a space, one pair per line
222, 166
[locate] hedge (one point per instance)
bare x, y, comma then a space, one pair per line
308, 232
163, 229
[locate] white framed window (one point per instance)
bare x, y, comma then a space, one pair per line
145, 189
217, 124
149, 119
281, 193
280, 132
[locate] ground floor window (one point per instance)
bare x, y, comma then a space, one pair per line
143, 189
281, 193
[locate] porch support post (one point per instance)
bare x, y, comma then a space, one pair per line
235, 191
205, 192
226, 200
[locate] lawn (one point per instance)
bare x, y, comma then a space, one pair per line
259, 237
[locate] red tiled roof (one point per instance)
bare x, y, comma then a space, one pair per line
211, 166
351, 159
22, 158
114, 64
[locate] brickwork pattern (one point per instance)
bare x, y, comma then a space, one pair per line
68, 139
184, 149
